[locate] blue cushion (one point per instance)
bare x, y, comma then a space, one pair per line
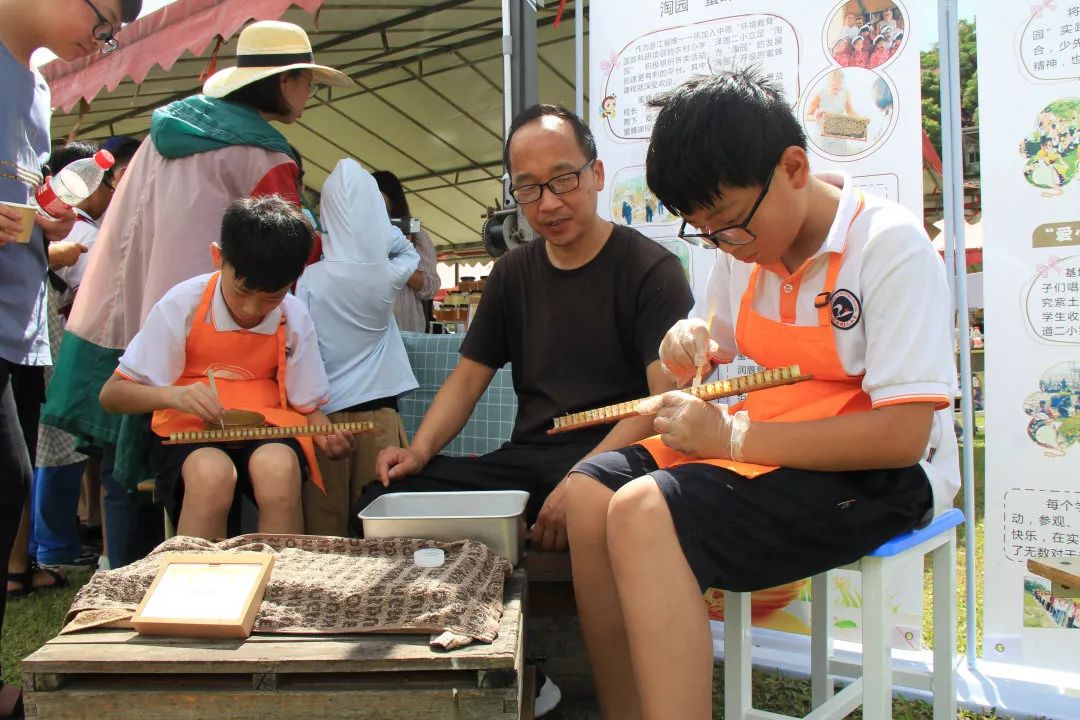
432, 358
945, 521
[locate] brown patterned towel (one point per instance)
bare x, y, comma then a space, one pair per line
333, 585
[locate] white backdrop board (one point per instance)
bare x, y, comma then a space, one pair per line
641, 48
1030, 126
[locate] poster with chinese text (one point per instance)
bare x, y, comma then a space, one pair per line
1030, 140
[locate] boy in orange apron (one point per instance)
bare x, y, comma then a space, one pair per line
794, 480
242, 324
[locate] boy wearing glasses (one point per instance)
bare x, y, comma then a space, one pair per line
71, 29
795, 480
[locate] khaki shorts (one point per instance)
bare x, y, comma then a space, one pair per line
345, 479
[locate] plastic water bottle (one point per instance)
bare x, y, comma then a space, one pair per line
76, 182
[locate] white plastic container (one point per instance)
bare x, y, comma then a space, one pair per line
495, 518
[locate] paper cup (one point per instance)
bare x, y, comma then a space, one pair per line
27, 213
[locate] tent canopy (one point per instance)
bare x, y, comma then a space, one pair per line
428, 104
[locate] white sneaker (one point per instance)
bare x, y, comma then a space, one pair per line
547, 699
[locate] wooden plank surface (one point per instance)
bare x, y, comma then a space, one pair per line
124, 651
1063, 570
338, 704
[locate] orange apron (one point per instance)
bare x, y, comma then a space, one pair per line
775, 344
249, 371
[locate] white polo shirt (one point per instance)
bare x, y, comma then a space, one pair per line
901, 343
157, 354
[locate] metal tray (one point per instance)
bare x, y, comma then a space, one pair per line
495, 518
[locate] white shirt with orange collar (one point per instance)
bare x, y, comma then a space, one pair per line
156, 354
897, 335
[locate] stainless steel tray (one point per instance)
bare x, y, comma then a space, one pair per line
495, 518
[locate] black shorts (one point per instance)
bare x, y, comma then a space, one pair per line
745, 534
166, 461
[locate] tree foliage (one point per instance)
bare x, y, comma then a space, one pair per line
969, 85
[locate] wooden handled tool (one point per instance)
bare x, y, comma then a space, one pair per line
712, 391
267, 432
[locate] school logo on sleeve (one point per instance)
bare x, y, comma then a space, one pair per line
845, 309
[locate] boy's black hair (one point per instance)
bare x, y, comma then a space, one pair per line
129, 10
584, 135
123, 148
718, 132
266, 240
264, 95
69, 153
391, 187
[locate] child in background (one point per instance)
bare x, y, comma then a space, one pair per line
259, 341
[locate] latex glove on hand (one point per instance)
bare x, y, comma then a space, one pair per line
695, 427
687, 347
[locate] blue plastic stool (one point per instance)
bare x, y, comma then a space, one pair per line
872, 691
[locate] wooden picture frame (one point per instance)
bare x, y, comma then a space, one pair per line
845, 127
212, 595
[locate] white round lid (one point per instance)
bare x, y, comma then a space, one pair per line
429, 557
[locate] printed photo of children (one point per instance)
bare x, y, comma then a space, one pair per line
865, 34
1042, 609
1053, 147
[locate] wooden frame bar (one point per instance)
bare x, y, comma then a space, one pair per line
267, 432
711, 391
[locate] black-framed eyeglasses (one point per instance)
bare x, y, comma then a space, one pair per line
736, 235
104, 32
558, 185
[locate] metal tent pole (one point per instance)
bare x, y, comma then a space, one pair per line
579, 58
953, 196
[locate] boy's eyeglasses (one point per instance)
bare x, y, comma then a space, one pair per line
736, 235
558, 185
103, 32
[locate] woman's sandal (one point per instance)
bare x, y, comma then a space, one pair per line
25, 580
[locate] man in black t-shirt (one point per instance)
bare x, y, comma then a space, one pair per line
579, 314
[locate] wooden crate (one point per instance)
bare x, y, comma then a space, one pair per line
114, 674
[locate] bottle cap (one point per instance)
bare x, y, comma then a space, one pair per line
104, 159
429, 557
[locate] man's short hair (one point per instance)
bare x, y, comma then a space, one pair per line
266, 240
718, 132
584, 135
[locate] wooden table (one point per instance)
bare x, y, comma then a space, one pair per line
114, 674
1063, 574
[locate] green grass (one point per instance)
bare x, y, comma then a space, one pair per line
32, 620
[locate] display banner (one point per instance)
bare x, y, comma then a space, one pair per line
851, 73
1030, 136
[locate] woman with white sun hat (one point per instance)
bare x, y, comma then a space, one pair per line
202, 153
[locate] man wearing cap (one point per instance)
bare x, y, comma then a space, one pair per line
202, 153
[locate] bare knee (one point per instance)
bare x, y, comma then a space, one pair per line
586, 497
274, 470
637, 511
209, 479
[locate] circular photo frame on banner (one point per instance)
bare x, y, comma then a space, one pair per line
849, 112
866, 33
